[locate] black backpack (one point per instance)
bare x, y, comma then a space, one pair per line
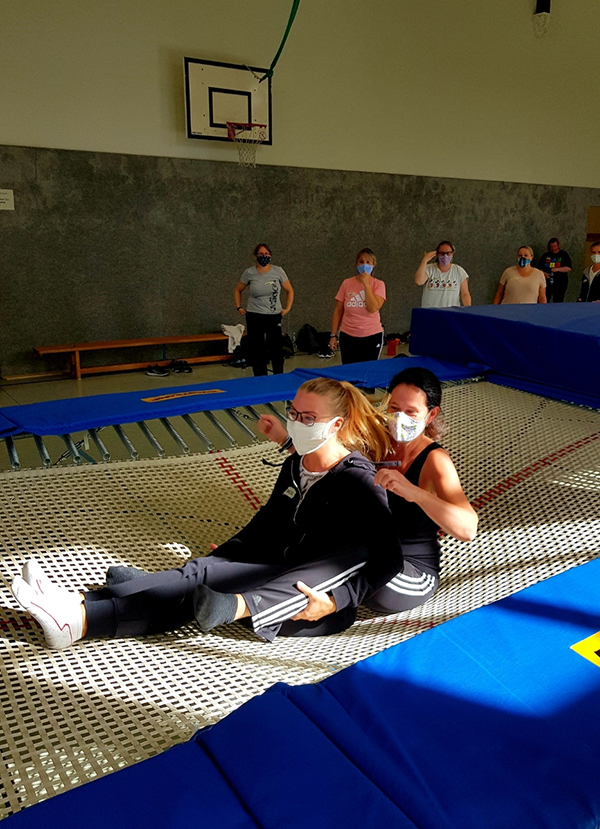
308, 339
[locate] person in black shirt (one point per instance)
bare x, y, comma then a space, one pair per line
590, 282
556, 265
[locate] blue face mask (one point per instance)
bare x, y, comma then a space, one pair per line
523, 261
263, 260
365, 268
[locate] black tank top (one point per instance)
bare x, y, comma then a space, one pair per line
418, 533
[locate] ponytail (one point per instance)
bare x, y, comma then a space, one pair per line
364, 428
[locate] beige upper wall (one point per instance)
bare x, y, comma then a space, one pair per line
457, 88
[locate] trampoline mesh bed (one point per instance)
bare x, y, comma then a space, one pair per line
529, 465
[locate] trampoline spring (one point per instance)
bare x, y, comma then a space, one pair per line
222, 429
72, 449
41, 447
12, 454
175, 435
104, 453
151, 438
134, 454
277, 413
255, 415
198, 432
236, 419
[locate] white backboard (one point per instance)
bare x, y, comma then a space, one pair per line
216, 93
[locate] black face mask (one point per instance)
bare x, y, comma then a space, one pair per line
263, 260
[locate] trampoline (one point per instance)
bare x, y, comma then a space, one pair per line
529, 465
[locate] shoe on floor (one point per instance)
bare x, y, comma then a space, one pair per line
177, 367
186, 366
59, 613
157, 371
35, 577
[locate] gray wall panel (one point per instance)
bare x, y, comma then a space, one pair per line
105, 246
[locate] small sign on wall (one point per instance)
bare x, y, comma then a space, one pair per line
7, 200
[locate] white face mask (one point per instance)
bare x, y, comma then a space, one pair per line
595, 258
404, 428
307, 439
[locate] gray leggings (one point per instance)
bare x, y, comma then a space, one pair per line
163, 601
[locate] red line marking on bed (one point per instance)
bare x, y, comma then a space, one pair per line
528, 471
240, 484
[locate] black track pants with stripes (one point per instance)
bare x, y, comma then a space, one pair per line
164, 601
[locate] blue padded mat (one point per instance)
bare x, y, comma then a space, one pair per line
489, 720
555, 346
378, 373
59, 417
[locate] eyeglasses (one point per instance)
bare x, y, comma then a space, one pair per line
445, 252
302, 417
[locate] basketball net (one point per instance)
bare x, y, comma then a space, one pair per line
247, 137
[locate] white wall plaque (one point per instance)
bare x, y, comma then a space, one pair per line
7, 200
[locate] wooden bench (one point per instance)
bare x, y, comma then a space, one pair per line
74, 350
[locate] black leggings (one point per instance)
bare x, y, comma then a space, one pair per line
265, 342
163, 601
556, 287
360, 349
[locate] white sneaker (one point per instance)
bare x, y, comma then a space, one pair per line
35, 577
58, 612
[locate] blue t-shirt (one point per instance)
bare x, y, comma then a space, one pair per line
264, 289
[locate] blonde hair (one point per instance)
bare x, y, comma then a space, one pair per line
364, 428
366, 252
526, 248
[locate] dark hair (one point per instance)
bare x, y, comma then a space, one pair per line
551, 241
429, 384
259, 246
595, 245
367, 252
445, 243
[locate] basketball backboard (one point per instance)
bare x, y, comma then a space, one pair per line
216, 93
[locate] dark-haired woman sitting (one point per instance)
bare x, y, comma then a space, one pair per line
424, 496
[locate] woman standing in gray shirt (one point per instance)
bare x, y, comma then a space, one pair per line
264, 311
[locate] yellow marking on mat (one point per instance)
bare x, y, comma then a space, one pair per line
589, 648
180, 394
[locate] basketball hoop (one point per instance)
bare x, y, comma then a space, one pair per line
247, 137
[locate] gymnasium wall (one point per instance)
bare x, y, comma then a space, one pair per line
452, 88
107, 246
396, 124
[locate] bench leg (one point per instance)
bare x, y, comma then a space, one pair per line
75, 365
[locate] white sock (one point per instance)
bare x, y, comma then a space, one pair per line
58, 612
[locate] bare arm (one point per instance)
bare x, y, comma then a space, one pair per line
289, 299
372, 303
465, 296
499, 294
421, 274
447, 505
338, 313
237, 297
542, 296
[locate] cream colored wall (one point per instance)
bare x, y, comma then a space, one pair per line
457, 88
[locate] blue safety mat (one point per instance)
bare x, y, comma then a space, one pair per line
556, 346
59, 417
378, 373
489, 720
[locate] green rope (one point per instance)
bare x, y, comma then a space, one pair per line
269, 72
